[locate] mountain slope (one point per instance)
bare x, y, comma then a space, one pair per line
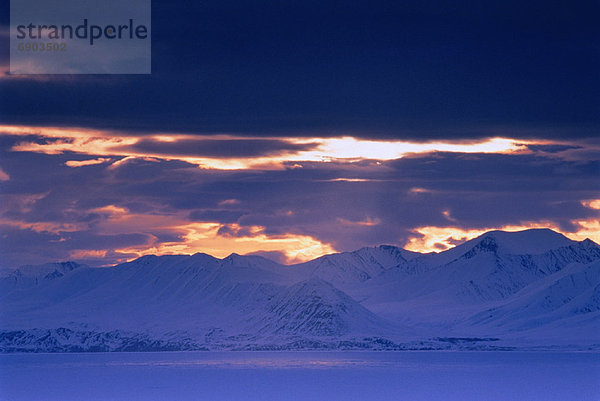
533, 287
315, 307
466, 277
347, 268
29, 276
575, 290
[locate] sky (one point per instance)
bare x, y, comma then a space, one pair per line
301, 128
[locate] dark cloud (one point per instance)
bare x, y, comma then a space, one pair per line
477, 190
552, 148
275, 256
229, 230
24, 246
415, 70
412, 70
223, 216
219, 148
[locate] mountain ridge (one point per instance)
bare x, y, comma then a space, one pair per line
372, 298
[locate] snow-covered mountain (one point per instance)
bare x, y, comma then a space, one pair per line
28, 276
526, 289
355, 267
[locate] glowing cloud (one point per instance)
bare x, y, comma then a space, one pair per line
448, 216
214, 238
85, 254
368, 222
348, 149
587, 229
43, 227
205, 237
4, 175
435, 239
111, 210
349, 180
227, 202
356, 149
592, 204
420, 191
81, 163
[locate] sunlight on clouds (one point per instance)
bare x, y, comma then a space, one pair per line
44, 227
436, 239
448, 216
587, 229
592, 204
204, 237
351, 180
77, 140
117, 149
368, 222
348, 149
111, 210
227, 202
420, 191
353, 148
87, 254
4, 175
81, 163
85, 145
56, 132
165, 138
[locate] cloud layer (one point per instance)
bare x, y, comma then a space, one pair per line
372, 69
300, 128
98, 197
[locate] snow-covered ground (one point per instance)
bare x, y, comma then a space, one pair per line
533, 289
265, 376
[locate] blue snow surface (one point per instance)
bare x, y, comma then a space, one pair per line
264, 376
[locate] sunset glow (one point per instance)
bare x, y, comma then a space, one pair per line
436, 239
154, 227
205, 238
348, 149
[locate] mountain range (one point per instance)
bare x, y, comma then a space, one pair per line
534, 289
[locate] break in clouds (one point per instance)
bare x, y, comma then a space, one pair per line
125, 196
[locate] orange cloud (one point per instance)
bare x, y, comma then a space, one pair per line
589, 228
194, 237
21, 203
349, 149
44, 227
448, 216
85, 254
204, 237
4, 175
420, 191
229, 202
368, 222
349, 180
592, 204
111, 210
81, 163
434, 239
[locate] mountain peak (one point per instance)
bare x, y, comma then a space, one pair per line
588, 242
47, 269
236, 258
531, 241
